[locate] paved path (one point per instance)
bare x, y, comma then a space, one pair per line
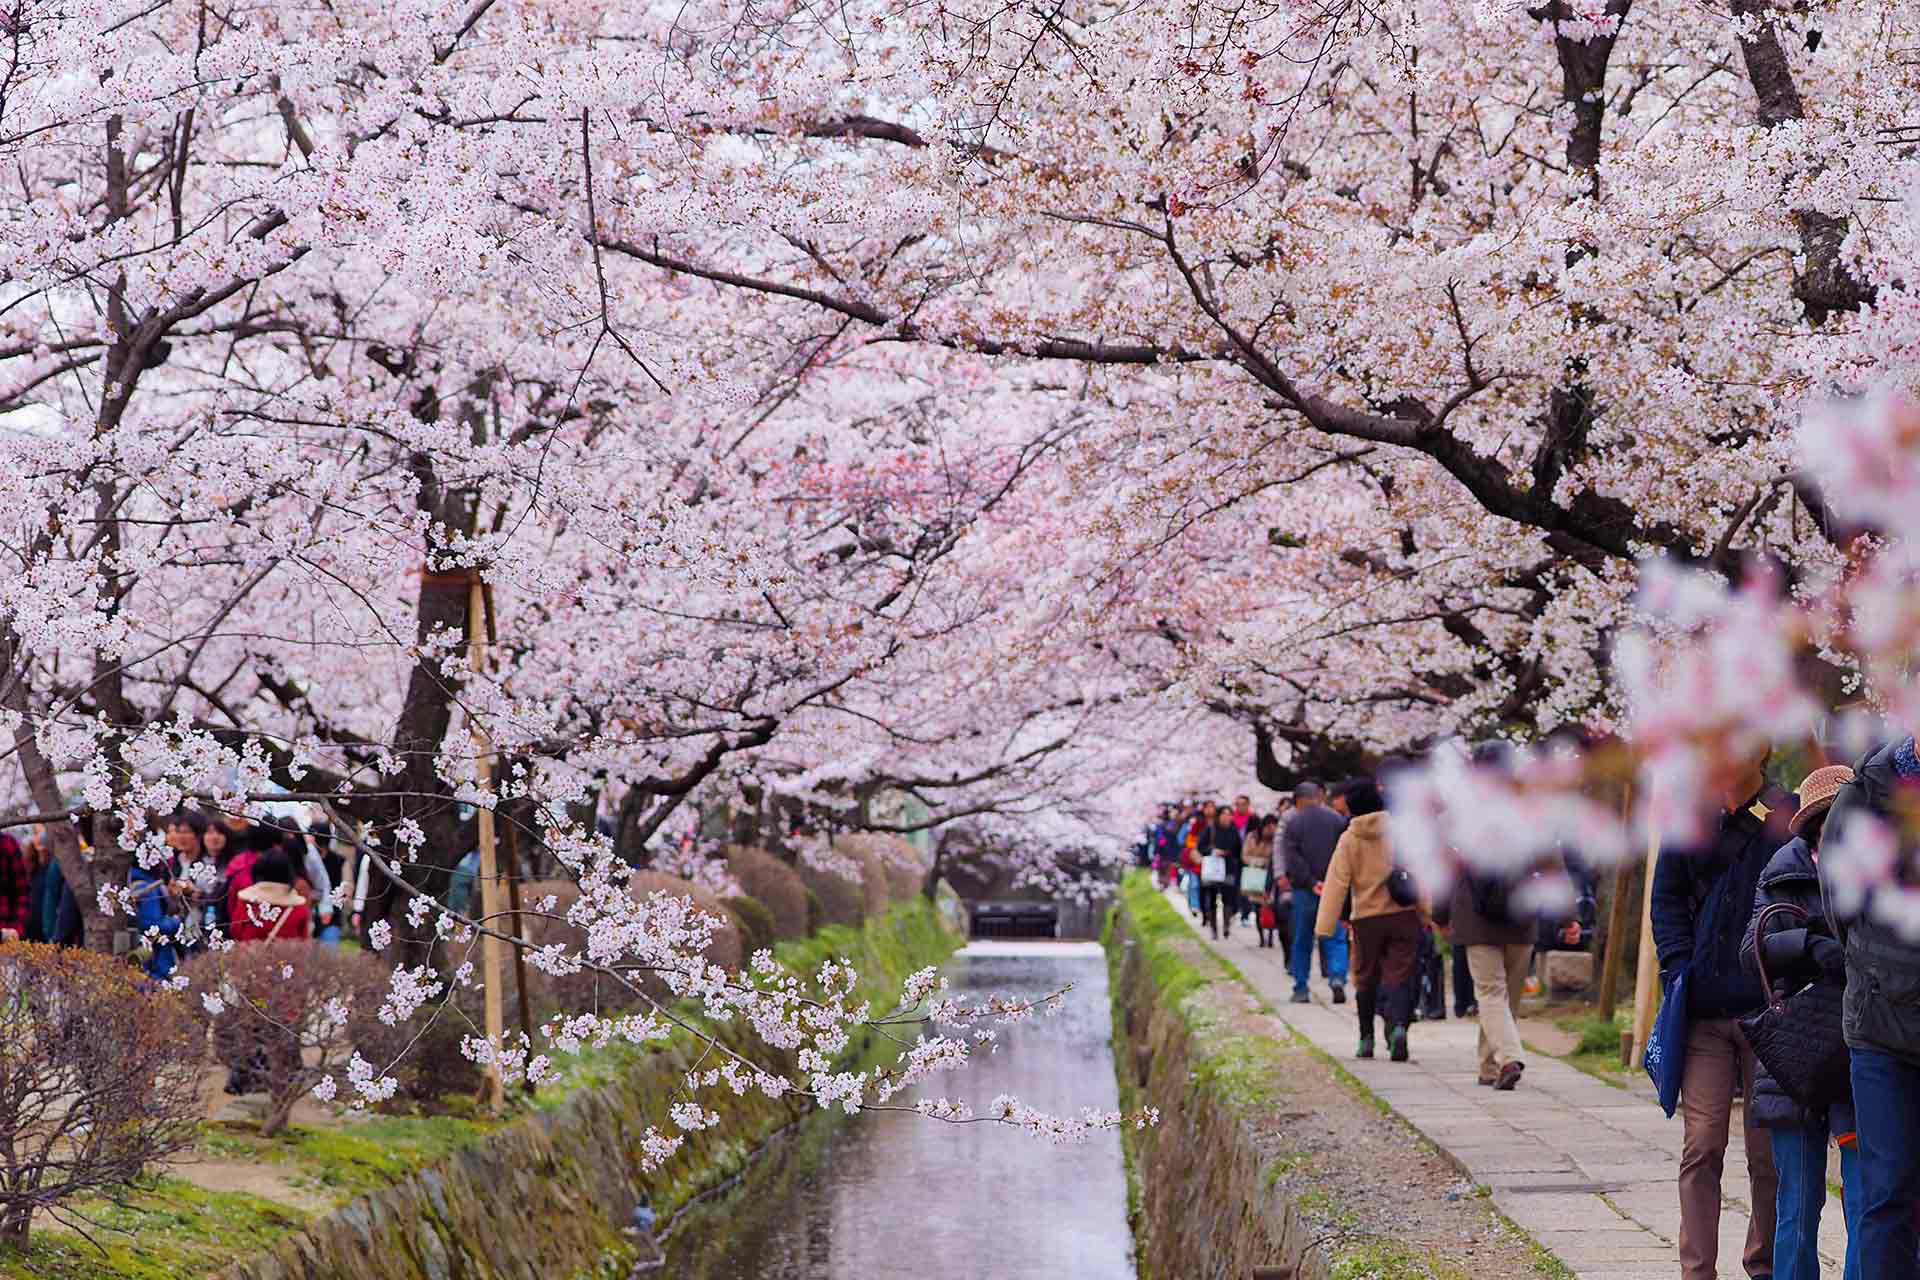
1585, 1167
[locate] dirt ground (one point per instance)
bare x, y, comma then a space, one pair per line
1364, 1179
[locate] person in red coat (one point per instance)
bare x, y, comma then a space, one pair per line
270, 907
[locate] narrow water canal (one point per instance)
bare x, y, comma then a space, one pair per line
885, 1195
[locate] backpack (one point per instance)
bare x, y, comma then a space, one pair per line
1491, 898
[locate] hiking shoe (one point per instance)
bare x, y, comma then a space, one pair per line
1339, 993
1301, 997
1397, 1043
1509, 1076
1366, 1048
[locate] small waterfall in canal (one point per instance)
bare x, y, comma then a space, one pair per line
887, 1194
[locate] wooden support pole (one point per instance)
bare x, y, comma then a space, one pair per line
513, 876
1617, 916
492, 949
1646, 986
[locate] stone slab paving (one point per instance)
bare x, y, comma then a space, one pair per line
1584, 1166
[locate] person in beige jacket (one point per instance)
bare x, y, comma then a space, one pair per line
1386, 935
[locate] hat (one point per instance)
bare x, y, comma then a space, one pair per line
1817, 793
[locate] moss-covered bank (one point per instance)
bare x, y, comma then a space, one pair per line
538, 1198
1203, 1203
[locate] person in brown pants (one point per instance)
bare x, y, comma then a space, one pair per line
1386, 935
1702, 900
1720, 1067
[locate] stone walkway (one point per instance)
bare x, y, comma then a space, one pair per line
1585, 1167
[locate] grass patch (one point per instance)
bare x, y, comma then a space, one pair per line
1597, 1052
1284, 1166
159, 1229
1382, 1259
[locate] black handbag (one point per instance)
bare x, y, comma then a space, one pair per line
1798, 1038
1401, 888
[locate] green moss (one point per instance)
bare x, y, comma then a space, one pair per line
1284, 1166
1378, 1258
160, 1229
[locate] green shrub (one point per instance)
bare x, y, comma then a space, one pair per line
776, 885
757, 930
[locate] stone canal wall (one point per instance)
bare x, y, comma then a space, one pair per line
1192, 1040
544, 1198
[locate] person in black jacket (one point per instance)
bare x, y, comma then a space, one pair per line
1219, 903
1796, 950
1306, 847
1881, 1020
1702, 900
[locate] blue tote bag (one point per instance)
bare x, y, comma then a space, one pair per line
1666, 1056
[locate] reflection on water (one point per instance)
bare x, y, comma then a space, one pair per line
895, 1195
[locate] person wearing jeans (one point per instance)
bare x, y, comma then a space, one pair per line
1886, 1099
1306, 850
1794, 948
1882, 1030
1333, 951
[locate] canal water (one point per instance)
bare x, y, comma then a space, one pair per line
884, 1194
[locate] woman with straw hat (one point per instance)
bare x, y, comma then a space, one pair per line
1797, 951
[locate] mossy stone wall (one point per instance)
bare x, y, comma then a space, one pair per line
545, 1197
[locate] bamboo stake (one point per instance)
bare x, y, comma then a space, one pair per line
492, 1093
1617, 916
513, 877
1617, 910
1646, 985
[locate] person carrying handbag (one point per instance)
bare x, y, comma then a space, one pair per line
1791, 946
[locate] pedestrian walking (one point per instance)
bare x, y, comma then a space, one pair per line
1307, 847
1220, 877
1492, 917
1881, 1026
1798, 947
1702, 899
1386, 935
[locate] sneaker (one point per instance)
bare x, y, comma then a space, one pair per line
1509, 1076
1301, 997
1436, 1014
1339, 993
1471, 1011
1365, 1050
1397, 1043
1486, 1080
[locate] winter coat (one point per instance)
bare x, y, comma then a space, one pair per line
1882, 1006
1472, 928
1361, 863
59, 910
259, 915
1790, 876
1307, 843
153, 911
1727, 864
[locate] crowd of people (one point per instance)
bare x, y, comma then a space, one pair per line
250, 880
1318, 877
1747, 935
